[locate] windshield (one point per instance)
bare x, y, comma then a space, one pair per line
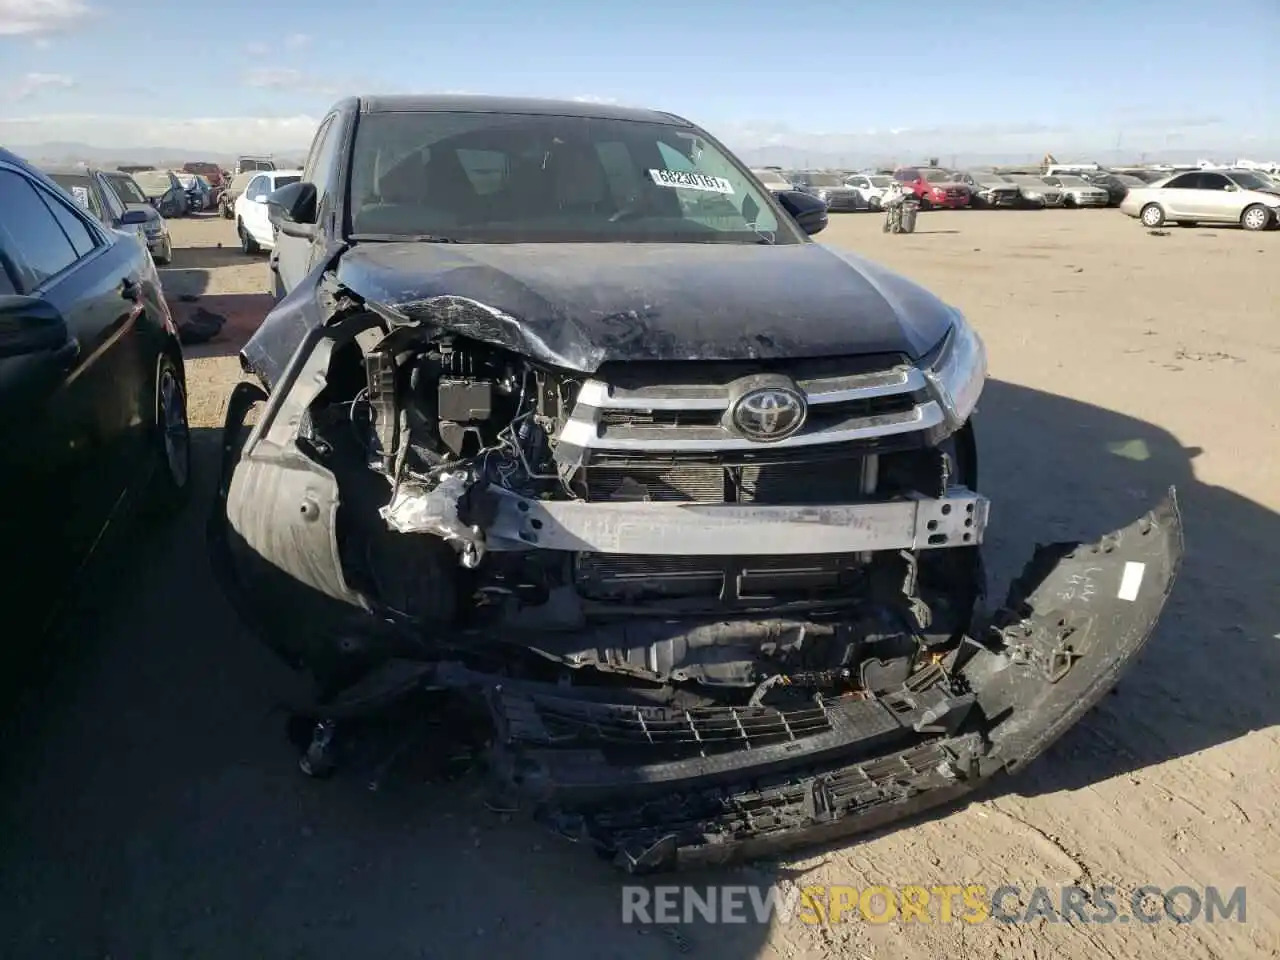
772, 178
822, 180
881, 182
1249, 180
1027, 181
936, 174
125, 188
507, 178
284, 182
1071, 181
154, 183
990, 178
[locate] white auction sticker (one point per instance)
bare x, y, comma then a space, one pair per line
687, 180
1131, 581
81, 195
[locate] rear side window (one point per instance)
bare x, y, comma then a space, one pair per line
75, 229
29, 231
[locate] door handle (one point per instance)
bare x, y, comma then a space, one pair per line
129, 289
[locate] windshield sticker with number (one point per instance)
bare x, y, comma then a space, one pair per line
686, 180
81, 195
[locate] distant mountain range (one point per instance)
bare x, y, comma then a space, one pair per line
779, 155
73, 152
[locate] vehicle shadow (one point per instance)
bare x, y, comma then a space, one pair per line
209, 258
151, 803
1057, 469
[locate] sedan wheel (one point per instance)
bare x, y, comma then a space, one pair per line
1255, 217
172, 478
247, 243
1152, 215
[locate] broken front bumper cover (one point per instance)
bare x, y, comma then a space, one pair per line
755, 781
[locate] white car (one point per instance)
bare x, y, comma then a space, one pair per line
1077, 192
1206, 196
252, 223
871, 187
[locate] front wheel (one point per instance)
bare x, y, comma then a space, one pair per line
171, 481
1255, 217
1152, 216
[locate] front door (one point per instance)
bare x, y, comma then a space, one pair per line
69, 420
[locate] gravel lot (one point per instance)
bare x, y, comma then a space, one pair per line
152, 807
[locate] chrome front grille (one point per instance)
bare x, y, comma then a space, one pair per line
644, 418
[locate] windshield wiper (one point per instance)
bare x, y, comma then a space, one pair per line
403, 238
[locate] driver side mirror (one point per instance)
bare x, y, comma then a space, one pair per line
808, 211
133, 218
292, 209
30, 325
1231, 188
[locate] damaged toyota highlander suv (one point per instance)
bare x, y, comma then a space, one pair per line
563, 416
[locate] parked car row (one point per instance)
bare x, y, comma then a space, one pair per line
116, 200
1248, 197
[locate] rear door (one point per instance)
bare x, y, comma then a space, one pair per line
70, 429
1178, 196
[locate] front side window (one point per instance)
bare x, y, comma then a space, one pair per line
1188, 181
258, 187
29, 232
510, 178
320, 163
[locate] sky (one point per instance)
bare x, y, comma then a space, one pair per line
929, 78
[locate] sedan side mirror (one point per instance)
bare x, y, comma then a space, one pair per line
133, 218
30, 326
807, 210
292, 209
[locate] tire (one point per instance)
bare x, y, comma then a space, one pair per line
1255, 217
247, 243
1069, 202
873, 204
171, 481
1152, 216
925, 204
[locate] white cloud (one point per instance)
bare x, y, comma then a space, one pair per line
31, 84
257, 49
228, 135
297, 40
20, 17
284, 78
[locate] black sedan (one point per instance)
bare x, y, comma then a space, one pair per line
93, 416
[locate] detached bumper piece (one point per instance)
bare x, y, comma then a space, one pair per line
657, 788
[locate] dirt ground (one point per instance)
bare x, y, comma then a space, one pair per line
152, 807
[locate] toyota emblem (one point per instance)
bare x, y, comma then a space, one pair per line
769, 413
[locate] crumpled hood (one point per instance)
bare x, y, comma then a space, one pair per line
579, 305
